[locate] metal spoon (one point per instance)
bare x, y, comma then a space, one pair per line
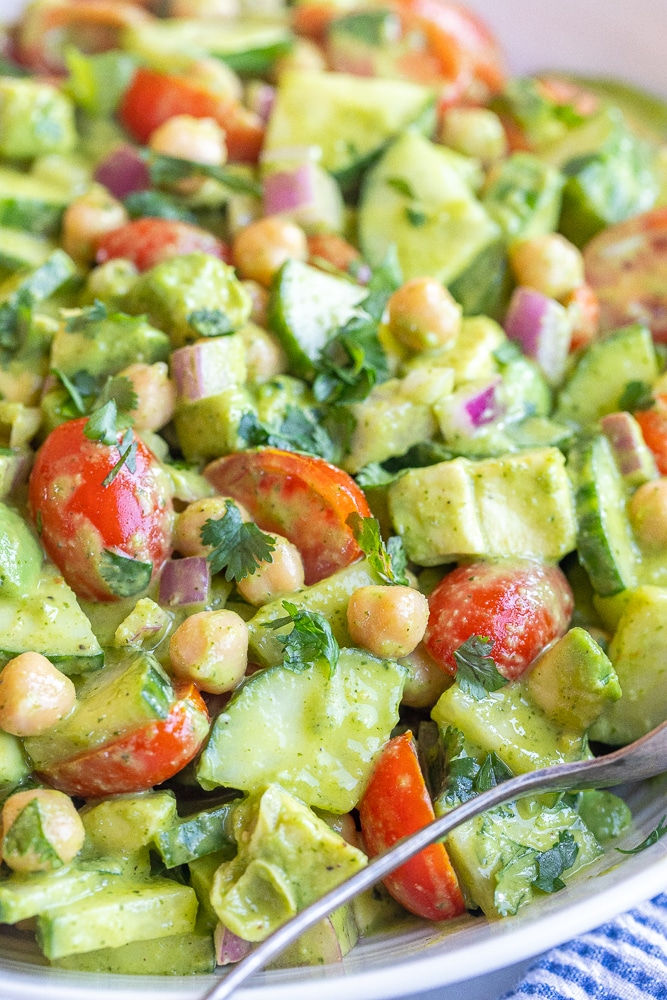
644, 758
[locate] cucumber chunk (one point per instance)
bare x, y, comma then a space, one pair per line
31, 203
19, 249
186, 954
25, 896
206, 832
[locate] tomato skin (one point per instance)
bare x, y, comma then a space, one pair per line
521, 606
299, 496
654, 429
395, 804
626, 265
152, 98
78, 518
139, 760
147, 242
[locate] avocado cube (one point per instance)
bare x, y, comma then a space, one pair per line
106, 346
35, 118
208, 428
524, 197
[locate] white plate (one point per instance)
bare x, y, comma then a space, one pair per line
590, 36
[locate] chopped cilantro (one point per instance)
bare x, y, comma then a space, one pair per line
239, 547
374, 474
101, 425
118, 388
15, 317
653, 837
636, 395
128, 457
388, 561
167, 170
210, 322
124, 576
476, 672
78, 320
416, 216
551, 864
401, 185
310, 639
466, 777
298, 431
156, 205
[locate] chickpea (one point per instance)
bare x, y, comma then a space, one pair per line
387, 621
648, 514
87, 219
211, 649
265, 357
262, 248
423, 315
61, 828
186, 138
34, 695
426, 680
156, 394
111, 281
474, 132
549, 263
282, 575
187, 534
260, 302
204, 8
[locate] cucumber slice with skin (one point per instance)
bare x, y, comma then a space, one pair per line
189, 954
30, 203
306, 308
25, 896
605, 543
195, 836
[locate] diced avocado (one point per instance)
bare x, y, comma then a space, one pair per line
247, 46
206, 832
35, 118
524, 196
145, 627
177, 292
376, 911
20, 555
188, 954
325, 731
131, 689
25, 895
122, 911
201, 872
128, 822
349, 118
518, 504
306, 308
31, 203
573, 681
598, 381
608, 173
638, 651
13, 764
605, 542
495, 855
508, 723
472, 354
275, 397
209, 428
329, 597
417, 199
106, 346
210, 366
48, 620
287, 857
606, 815
41, 283
19, 250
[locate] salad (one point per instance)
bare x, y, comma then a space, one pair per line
334, 434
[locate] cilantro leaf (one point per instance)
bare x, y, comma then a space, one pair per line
73, 392
310, 639
551, 864
239, 547
476, 672
298, 431
156, 205
118, 388
79, 320
366, 531
124, 576
653, 837
168, 170
636, 395
101, 425
210, 322
128, 457
374, 474
15, 317
416, 216
467, 777
400, 185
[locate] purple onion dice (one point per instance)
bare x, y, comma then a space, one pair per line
185, 581
633, 458
229, 948
123, 171
203, 369
543, 330
289, 190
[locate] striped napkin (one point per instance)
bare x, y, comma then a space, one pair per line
625, 959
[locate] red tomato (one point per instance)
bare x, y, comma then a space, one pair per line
83, 523
394, 805
584, 308
626, 265
654, 428
147, 242
152, 98
521, 606
301, 497
136, 761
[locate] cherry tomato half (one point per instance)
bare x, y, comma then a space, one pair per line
301, 497
139, 760
395, 804
147, 242
521, 606
104, 539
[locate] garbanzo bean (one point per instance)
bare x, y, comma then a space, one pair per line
187, 533
211, 649
387, 621
423, 315
34, 695
271, 579
262, 248
156, 395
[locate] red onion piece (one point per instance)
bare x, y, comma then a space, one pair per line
14, 470
633, 458
201, 370
228, 947
123, 171
261, 100
185, 581
471, 407
542, 328
289, 190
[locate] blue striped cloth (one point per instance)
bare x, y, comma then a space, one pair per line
625, 959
